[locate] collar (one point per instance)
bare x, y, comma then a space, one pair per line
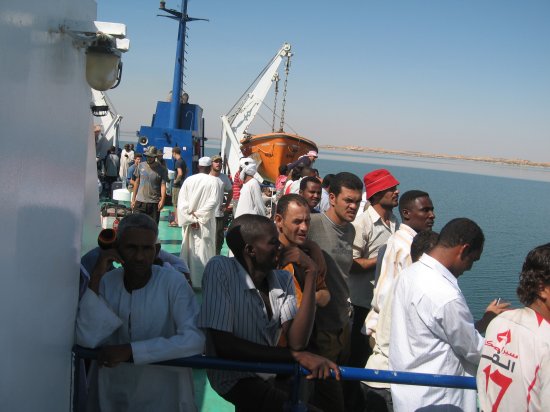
406, 228
248, 284
375, 217
438, 267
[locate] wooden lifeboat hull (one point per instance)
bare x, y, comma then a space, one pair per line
272, 150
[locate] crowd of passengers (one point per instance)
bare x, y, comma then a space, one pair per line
333, 278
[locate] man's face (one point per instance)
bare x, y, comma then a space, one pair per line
137, 248
294, 225
137, 160
217, 165
312, 194
346, 204
420, 216
150, 159
466, 260
390, 198
267, 248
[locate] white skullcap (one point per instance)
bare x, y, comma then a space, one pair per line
205, 161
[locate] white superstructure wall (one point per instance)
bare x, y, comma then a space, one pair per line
47, 197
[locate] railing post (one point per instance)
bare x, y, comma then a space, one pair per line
295, 404
76, 382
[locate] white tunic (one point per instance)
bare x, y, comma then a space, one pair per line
124, 164
198, 200
251, 201
160, 322
514, 371
432, 331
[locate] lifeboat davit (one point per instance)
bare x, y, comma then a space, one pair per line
272, 150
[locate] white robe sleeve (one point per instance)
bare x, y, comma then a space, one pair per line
188, 340
95, 321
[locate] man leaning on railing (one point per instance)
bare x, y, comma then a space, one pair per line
247, 305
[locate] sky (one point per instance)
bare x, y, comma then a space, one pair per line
459, 77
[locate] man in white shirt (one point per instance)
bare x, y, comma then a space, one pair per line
198, 201
250, 200
372, 230
226, 190
417, 215
514, 371
141, 313
432, 329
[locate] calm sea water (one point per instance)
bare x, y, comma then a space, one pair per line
509, 203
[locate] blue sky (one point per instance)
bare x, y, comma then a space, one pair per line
456, 77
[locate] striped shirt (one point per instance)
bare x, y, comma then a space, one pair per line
231, 303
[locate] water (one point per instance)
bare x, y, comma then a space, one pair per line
508, 202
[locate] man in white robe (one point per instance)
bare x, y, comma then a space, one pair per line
198, 201
142, 313
126, 156
250, 200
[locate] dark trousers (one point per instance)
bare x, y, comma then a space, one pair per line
150, 209
255, 394
219, 234
334, 345
360, 351
377, 399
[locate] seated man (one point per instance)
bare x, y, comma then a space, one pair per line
142, 313
246, 307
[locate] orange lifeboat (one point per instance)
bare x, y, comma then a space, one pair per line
272, 150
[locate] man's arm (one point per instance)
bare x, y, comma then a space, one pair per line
134, 192
299, 330
162, 195
230, 347
493, 310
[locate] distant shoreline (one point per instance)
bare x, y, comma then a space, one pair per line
513, 162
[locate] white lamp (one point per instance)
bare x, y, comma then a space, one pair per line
103, 64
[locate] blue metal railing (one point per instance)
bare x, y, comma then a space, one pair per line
347, 373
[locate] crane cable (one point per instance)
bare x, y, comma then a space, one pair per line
287, 69
276, 80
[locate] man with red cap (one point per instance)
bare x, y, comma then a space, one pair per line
372, 230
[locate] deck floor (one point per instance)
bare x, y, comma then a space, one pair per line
206, 398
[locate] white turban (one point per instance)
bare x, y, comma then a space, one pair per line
248, 168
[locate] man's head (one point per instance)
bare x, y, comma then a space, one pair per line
292, 219
534, 280
150, 154
283, 170
417, 210
307, 172
254, 240
136, 244
296, 172
205, 163
422, 243
248, 168
325, 184
310, 189
137, 158
127, 147
462, 241
381, 188
176, 153
217, 163
345, 196
312, 155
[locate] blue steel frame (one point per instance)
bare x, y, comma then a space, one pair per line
347, 373
176, 123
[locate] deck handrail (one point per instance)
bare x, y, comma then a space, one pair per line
347, 373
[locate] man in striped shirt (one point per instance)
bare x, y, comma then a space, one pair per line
246, 307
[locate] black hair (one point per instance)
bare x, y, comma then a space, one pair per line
176, 150
284, 201
422, 243
296, 172
535, 274
283, 169
347, 180
327, 180
306, 180
461, 231
408, 198
245, 229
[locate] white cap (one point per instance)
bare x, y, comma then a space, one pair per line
205, 161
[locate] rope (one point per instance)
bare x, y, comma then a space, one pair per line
287, 69
276, 80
